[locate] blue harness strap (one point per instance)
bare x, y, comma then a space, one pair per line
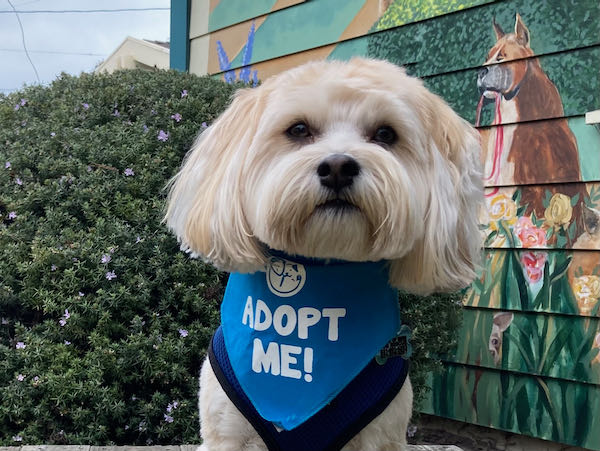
361, 401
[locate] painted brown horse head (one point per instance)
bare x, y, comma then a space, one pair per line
497, 76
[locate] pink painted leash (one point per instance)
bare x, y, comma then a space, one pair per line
498, 145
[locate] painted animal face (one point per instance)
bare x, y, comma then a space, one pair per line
354, 161
505, 78
500, 324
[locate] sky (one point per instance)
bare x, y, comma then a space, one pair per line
70, 42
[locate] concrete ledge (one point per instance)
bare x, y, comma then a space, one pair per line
174, 448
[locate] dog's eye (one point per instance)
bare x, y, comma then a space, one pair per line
298, 130
385, 135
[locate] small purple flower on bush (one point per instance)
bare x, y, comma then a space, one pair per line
138, 239
17, 438
163, 136
7, 165
12, 215
106, 258
52, 134
129, 172
184, 93
81, 294
63, 320
53, 268
23, 102
172, 406
18, 181
176, 117
145, 128
204, 125
168, 418
67, 342
20, 377
184, 333
85, 106
116, 113
111, 275
20, 345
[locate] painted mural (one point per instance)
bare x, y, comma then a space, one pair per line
524, 73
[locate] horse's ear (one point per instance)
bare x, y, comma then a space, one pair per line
497, 29
521, 31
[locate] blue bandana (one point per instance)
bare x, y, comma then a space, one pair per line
302, 330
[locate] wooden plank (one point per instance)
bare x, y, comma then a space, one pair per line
451, 42
552, 216
556, 410
571, 88
548, 151
538, 281
556, 346
231, 12
463, 39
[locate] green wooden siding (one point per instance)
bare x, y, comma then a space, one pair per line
538, 406
230, 12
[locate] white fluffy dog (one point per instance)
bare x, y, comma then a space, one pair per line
333, 160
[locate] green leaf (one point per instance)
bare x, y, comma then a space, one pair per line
516, 197
572, 230
560, 269
574, 200
547, 197
490, 238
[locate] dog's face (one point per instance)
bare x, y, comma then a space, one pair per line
355, 161
505, 78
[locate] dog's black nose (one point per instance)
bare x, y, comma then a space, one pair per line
337, 171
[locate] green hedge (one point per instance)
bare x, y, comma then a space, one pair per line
104, 322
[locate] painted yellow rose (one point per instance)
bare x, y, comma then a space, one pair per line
587, 292
559, 211
502, 208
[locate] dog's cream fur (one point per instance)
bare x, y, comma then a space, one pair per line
246, 186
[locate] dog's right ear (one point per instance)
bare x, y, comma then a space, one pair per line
497, 29
204, 206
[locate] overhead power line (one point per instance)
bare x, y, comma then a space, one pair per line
54, 52
23, 39
77, 11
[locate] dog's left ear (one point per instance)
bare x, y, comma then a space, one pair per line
447, 256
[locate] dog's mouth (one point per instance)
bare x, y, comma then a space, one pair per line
337, 205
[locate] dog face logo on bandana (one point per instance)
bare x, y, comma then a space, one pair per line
284, 277
304, 330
